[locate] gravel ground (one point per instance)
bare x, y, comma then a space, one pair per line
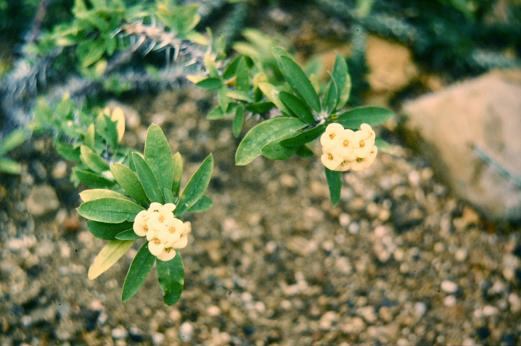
399, 262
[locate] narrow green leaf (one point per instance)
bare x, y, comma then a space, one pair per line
243, 81
203, 204
9, 166
107, 231
178, 173
343, 81
158, 155
91, 179
299, 82
147, 178
231, 68
137, 272
334, 181
263, 134
196, 186
128, 180
304, 137
12, 140
238, 121
297, 107
108, 256
210, 83
239, 95
109, 210
92, 159
331, 97
67, 151
129, 234
92, 194
353, 118
171, 276
276, 151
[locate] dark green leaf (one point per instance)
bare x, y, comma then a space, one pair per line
128, 180
91, 179
343, 80
12, 140
276, 151
353, 118
109, 210
229, 72
107, 231
304, 151
263, 134
238, 121
299, 82
147, 178
296, 106
203, 204
210, 83
196, 186
334, 181
67, 151
331, 97
129, 234
178, 173
137, 272
159, 157
243, 81
304, 137
171, 278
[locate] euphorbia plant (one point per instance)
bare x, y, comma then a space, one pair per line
145, 205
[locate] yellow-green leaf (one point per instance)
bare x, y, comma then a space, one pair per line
108, 256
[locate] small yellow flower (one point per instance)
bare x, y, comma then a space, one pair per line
140, 226
156, 247
330, 159
330, 138
167, 254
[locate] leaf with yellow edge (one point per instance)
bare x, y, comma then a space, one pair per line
92, 194
108, 256
272, 94
118, 116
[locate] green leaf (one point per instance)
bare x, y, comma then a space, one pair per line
210, 83
343, 80
91, 179
304, 137
147, 178
137, 272
109, 210
67, 151
128, 180
92, 160
242, 73
89, 52
272, 93
158, 155
238, 121
334, 181
12, 140
331, 97
304, 151
238, 96
196, 186
276, 151
92, 194
107, 231
9, 166
297, 107
203, 204
298, 81
353, 118
178, 173
231, 68
263, 134
171, 276
108, 256
129, 234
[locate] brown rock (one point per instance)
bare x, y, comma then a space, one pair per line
458, 127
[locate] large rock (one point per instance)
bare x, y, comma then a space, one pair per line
472, 134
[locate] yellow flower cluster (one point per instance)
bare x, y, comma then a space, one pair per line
165, 233
345, 149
